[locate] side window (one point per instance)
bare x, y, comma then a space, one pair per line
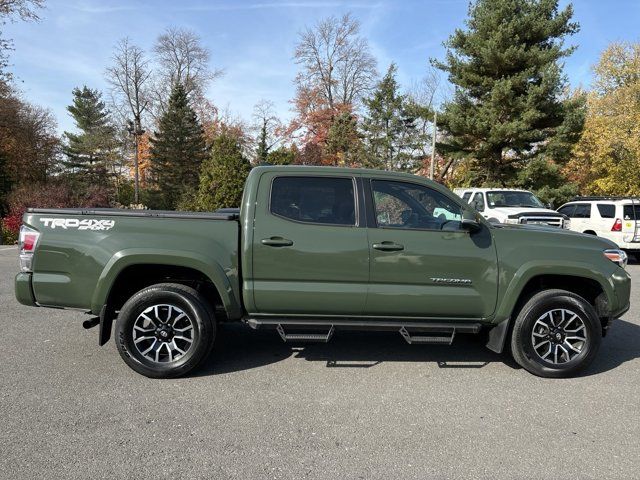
466, 196
411, 206
583, 210
323, 200
478, 202
567, 210
607, 210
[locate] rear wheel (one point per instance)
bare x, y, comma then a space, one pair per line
556, 334
165, 330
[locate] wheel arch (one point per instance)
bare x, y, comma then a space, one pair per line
582, 281
128, 270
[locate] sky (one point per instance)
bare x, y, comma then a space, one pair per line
253, 42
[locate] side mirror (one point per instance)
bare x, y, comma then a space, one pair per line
469, 222
550, 206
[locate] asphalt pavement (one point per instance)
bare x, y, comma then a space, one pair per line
364, 406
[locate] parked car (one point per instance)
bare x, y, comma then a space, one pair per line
313, 250
614, 218
509, 205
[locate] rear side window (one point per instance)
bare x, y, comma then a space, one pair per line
567, 210
607, 210
583, 210
322, 200
628, 212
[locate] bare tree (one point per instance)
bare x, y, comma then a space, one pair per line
129, 77
12, 10
269, 130
181, 58
335, 59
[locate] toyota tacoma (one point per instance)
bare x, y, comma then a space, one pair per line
313, 250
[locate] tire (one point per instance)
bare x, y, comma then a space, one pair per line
560, 332
184, 316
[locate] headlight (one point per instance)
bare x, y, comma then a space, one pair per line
566, 224
618, 257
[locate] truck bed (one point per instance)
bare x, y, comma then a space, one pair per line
81, 251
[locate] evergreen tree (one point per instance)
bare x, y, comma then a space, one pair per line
223, 175
388, 127
508, 79
88, 153
177, 151
262, 151
281, 156
344, 146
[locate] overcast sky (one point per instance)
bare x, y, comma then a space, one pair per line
253, 41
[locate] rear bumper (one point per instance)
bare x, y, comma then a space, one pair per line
24, 290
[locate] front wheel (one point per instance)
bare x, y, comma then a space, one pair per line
556, 334
165, 330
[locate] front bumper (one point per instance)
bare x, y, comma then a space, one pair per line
24, 290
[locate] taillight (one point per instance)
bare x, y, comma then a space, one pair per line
27, 242
617, 226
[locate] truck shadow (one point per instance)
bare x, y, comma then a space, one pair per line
239, 348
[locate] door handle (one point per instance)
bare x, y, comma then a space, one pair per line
276, 242
388, 246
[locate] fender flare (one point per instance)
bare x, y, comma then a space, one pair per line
503, 318
142, 256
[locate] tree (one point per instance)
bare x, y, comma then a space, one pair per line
344, 146
389, 128
89, 152
9, 11
177, 150
181, 59
607, 157
223, 175
336, 60
29, 145
282, 156
129, 77
507, 106
269, 129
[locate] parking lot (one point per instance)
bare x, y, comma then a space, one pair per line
363, 406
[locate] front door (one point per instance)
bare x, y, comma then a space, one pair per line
422, 263
310, 253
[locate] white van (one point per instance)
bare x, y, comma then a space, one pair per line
614, 218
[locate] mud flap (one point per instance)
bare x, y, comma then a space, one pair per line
498, 335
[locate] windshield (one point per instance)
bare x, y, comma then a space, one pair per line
508, 198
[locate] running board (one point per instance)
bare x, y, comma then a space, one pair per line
427, 339
419, 326
304, 337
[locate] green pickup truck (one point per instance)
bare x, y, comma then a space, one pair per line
313, 250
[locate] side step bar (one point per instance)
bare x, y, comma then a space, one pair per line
305, 337
414, 332
424, 339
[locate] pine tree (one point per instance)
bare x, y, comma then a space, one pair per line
388, 127
262, 150
87, 153
223, 175
177, 151
508, 79
344, 146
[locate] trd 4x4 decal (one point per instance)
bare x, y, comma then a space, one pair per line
84, 224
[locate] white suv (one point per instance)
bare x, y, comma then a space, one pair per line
509, 205
614, 218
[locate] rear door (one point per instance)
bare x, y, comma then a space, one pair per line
422, 263
310, 250
631, 222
